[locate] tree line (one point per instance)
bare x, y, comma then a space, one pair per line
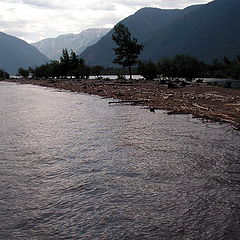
126, 54
69, 65
185, 66
180, 66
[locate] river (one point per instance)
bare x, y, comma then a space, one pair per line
73, 167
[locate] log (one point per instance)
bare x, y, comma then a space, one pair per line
128, 101
201, 107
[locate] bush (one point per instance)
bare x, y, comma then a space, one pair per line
147, 69
23, 72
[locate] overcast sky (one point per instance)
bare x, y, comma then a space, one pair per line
33, 20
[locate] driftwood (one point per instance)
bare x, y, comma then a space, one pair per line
215, 104
129, 101
181, 110
201, 107
113, 84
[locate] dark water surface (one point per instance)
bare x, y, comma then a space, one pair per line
71, 167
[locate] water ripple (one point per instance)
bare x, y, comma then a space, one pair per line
74, 168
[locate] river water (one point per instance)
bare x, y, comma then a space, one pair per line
72, 167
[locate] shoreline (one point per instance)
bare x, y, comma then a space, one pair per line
211, 103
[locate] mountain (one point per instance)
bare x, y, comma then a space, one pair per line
15, 53
143, 24
207, 32
52, 47
211, 31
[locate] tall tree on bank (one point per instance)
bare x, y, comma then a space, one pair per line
65, 62
128, 48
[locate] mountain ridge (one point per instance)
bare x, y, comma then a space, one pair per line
145, 22
52, 47
15, 53
207, 34
206, 31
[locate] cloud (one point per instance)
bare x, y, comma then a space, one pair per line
43, 4
70, 4
35, 3
33, 20
159, 3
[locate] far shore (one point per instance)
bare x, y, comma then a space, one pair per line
209, 103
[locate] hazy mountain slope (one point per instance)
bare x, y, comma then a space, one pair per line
143, 24
52, 47
210, 32
15, 53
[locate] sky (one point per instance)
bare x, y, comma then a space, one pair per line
34, 20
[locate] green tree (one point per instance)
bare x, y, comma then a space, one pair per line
147, 69
53, 69
216, 69
73, 59
188, 67
65, 59
65, 62
167, 69
4, 75
128, 48
31, 71
181, 66
41, 71
96, 70
69, 65
23, 72
73, 64
80, 69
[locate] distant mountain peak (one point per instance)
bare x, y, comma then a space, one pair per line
52, 47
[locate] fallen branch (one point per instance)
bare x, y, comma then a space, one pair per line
129, 101
201, 107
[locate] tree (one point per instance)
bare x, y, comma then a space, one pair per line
128, 48
147, 69
181, 66
65, 62
4, 75
80, 69
23, 72
72, 65
167, 69
65, 59
73, 59
53, 69
96, 70
188, 67
40, 71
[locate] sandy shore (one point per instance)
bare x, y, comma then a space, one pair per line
210, 103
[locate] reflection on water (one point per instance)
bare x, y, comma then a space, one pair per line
73, 167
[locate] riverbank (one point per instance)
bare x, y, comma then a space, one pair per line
210, 103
